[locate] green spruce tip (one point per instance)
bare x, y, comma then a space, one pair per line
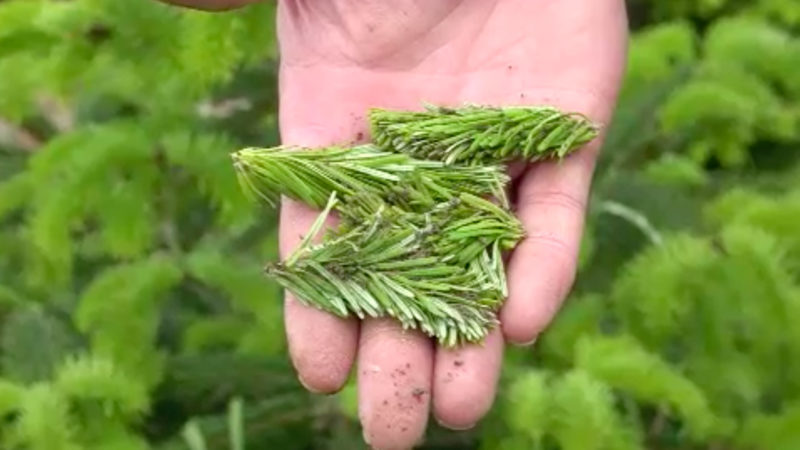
458, 230
310, 175
387, 266
476, 135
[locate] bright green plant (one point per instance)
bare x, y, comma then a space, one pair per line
119, 215
698, 346
711, 97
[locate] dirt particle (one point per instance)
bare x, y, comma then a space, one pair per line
402, 372
404, 429
386, 403
521, 95
510, 67
359, 136
458, 363
408, 365
417, 393
388, 426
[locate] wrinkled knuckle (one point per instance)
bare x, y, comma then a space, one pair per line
381, 330
554, 199
552, 250
561, 259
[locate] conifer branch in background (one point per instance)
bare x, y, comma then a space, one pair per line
475, 135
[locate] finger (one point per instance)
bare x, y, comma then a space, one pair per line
551, 197
210, 5
394, 384
322, 346
551, 203
465, 380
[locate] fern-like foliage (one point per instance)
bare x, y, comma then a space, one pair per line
98, 383
777, 431
45, 421
622, 364
695, 332
28, 328
574, 411
119, 311
88, 404
773, 214
122, 175
731, 102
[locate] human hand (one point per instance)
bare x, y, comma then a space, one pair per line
341, 57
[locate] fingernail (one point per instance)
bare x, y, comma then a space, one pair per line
305, 385
455, 427
366, 437
526, 344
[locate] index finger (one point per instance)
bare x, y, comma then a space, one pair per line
322, 346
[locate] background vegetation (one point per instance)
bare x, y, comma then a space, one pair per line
133, 313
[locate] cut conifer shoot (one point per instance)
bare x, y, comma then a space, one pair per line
424, 215
310, 175
383, 267
476, 135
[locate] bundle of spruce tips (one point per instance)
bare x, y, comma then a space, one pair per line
424, 218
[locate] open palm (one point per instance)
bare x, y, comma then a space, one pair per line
341, 57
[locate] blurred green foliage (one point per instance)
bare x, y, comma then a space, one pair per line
133, 313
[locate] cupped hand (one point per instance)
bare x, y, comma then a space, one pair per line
341, 57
